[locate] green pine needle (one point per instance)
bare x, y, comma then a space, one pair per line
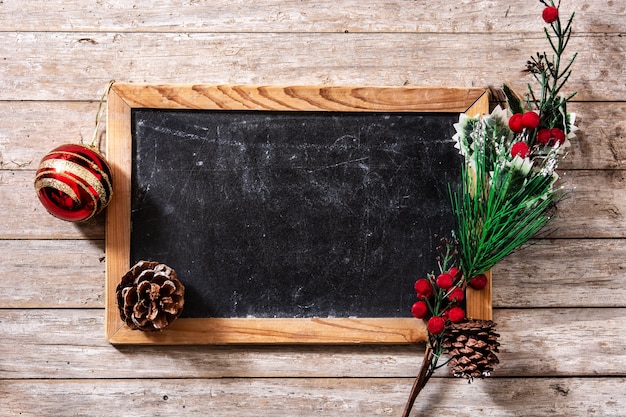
493, 221
515, 103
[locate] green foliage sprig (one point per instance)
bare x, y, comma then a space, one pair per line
499, 210
507, 192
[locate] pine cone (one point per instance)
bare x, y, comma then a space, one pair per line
150, 296
472, 345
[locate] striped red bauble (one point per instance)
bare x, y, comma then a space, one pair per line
73, 182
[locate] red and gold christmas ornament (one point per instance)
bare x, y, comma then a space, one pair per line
73, 182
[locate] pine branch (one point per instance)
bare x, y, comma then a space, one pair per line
495, 214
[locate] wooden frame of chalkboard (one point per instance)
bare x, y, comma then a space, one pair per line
123, 98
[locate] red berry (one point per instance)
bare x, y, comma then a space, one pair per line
454, 271
550, 14
419, 310
456, 295
520, 149
456, 314
544, 136
551, 137
436, 325
515, 123
445, 281
423, 288
530, 120
478, 282
557, 135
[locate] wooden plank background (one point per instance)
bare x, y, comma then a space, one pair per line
560, 304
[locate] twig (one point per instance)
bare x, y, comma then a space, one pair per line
422, 378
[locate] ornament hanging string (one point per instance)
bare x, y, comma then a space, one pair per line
95, 137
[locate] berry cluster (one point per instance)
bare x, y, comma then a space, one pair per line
440, 297
549, 124
528, 123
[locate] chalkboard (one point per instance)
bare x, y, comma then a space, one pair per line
292, 214
277, 218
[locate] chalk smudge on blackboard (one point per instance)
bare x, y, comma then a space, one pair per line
292, 214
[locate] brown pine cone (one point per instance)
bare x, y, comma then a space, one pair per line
150, 296
473, 345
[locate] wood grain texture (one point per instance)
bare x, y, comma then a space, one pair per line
601, 141
119, 155
580, 272
479, 303
294, 16
28, 130
581, 215
36, 270
61, 65
299, 98
496, 397
561, 356
51, 273
278, 331
555, 342
17, 195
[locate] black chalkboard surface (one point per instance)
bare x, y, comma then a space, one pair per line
305, 219
292, 214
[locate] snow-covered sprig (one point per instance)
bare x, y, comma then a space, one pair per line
503, 200
489, 133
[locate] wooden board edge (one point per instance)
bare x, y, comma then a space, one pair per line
480, 106
228, 331
478, 304
298, 98
117, 225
